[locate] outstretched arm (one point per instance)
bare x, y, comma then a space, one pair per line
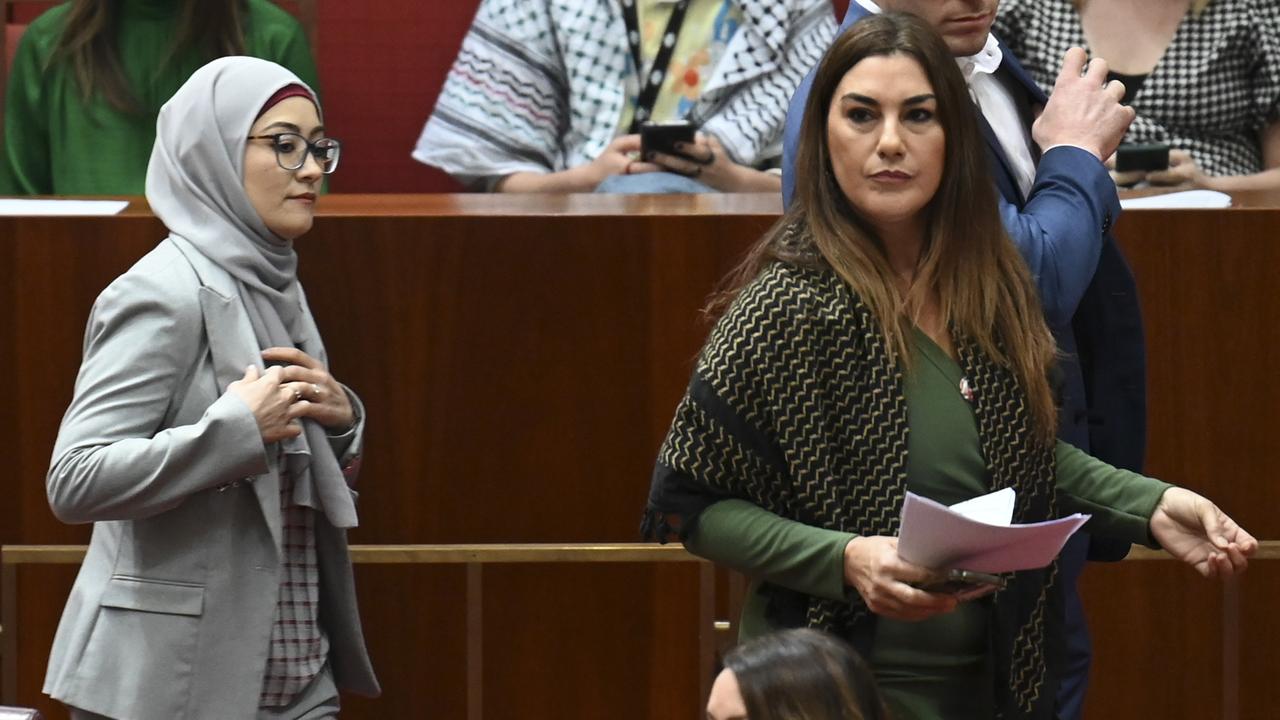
1197, 532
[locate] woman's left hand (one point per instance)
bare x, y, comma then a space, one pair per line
1194, 530
706, 161
1183, 170
316, 394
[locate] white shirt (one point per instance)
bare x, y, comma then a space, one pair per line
997, 106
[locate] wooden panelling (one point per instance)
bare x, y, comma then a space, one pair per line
1259, 628
520, 359
1208, 284
1156, 641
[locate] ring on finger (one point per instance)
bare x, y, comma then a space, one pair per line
315, 391
297, 394
711, 158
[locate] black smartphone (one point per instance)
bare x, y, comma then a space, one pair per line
963, 582
1131, 157
662, 137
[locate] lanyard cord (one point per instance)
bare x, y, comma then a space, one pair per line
651, 81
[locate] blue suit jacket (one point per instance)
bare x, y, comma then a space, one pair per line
1089, 296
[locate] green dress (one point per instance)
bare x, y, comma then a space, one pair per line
56, 143
936, 668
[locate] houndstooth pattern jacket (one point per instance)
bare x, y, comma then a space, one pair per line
1214, 91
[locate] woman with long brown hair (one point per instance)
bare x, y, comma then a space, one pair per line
89, 77
885, 336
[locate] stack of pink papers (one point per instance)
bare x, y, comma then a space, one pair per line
978, 535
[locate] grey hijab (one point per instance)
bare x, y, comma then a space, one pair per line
195, 186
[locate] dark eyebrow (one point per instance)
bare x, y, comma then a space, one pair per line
290, 127
913, 100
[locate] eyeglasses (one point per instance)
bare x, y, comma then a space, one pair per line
291, 150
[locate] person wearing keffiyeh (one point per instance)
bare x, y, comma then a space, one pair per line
886, 337
544, 94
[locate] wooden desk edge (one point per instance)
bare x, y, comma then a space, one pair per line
501, 553
429, 554
389, 205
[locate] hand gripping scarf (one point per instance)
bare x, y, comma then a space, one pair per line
796, 405
195, 186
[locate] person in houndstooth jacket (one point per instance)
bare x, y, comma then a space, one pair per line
1203, 76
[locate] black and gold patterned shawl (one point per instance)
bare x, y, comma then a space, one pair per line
796, 405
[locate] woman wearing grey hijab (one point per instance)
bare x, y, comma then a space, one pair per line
207, 441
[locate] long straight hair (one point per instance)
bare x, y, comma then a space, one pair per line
985, 289
89, 40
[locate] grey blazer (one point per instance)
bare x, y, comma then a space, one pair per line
170, 616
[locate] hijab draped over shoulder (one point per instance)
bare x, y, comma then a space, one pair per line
195, 185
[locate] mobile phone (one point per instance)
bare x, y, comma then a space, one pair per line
1131, 157
662, 137
963, 582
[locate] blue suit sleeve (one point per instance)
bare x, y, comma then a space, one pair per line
1060, 229
795, 113
791, 138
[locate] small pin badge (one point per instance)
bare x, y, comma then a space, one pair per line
966, 389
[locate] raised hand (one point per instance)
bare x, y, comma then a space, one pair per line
1084, 109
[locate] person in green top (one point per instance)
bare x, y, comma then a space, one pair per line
89, 77
885, 337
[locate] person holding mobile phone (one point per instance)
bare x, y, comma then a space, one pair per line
1202, 75
552, 96
884, 337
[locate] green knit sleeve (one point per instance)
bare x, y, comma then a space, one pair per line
762, 545
24, 159
1121, 502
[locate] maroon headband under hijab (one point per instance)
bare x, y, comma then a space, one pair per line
288, 91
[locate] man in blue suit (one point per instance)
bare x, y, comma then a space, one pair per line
1058, 203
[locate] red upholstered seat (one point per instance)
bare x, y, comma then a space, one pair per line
11, 35
15, 15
